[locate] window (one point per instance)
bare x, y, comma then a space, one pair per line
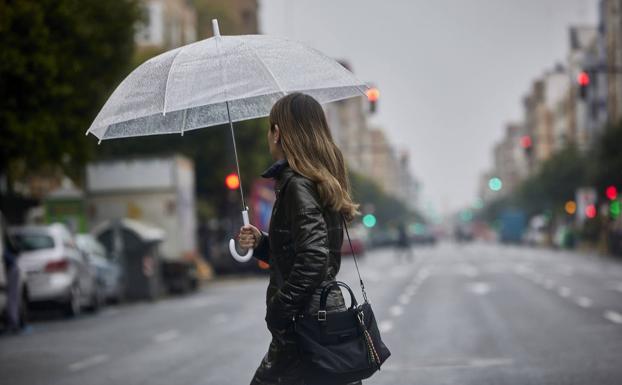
30, 242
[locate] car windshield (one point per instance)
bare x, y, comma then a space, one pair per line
29, 242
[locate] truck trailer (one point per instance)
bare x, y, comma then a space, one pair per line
158, 191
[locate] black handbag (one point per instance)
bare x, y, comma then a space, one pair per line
341, 346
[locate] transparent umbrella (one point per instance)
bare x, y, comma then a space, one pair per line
220, 80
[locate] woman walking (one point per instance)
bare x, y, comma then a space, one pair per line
306, 230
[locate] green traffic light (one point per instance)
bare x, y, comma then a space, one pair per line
614, 209
369, 220
495, 184
466, 216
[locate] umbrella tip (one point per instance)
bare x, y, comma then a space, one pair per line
215, 27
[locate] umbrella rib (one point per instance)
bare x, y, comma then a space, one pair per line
260, 60
168, 77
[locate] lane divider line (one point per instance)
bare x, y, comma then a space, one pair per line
88, 362
613, 316
166, 336
385, 326
396, 311
584, 302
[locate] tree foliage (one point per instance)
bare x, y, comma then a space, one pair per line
607, 165
60, 59
555, 183
388, 210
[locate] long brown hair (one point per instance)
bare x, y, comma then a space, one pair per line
310, 150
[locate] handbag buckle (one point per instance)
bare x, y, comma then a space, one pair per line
321, 315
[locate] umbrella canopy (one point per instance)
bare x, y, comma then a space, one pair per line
189, 87
220, 80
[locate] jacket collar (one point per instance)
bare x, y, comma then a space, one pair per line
279, 171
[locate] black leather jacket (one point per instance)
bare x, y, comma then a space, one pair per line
304, 244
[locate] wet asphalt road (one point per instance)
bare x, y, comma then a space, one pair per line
457, 314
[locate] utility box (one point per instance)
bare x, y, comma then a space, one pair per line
136, 246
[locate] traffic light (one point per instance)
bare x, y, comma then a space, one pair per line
369, 220
372, 96
590, 211
583, 80
232, 181
612, 193
527, 144
495, 184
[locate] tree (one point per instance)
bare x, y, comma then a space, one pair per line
60, 59
388, 210
607, 168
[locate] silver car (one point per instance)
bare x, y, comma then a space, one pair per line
56, 270
109, 273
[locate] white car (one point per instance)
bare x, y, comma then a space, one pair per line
56, 270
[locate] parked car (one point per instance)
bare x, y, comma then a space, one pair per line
358, 235
108, 271
56, 271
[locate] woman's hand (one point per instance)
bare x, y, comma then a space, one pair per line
249, 237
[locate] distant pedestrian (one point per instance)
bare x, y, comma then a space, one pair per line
403, 249
9, 258
306, 231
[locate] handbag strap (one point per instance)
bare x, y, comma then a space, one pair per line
345, 226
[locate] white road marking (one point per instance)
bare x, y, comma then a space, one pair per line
617, 287
200, 303
469, 271
423, 274
486, 362
567, 271
385, 326
110, 312
166, 336
87, 362
564, 291
613, 316
549, 284
479, 288
584, 302
220, 318
404, 299
410, 290
396, 311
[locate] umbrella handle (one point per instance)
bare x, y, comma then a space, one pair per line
233, 250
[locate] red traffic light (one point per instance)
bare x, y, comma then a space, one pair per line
611, 192
373, 94
232, 181
583, 79
525, 141
590, 211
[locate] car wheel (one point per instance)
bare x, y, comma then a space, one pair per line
72, 307
96, 301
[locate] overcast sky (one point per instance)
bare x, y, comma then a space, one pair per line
451, 72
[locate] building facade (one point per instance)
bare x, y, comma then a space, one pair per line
166, 24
